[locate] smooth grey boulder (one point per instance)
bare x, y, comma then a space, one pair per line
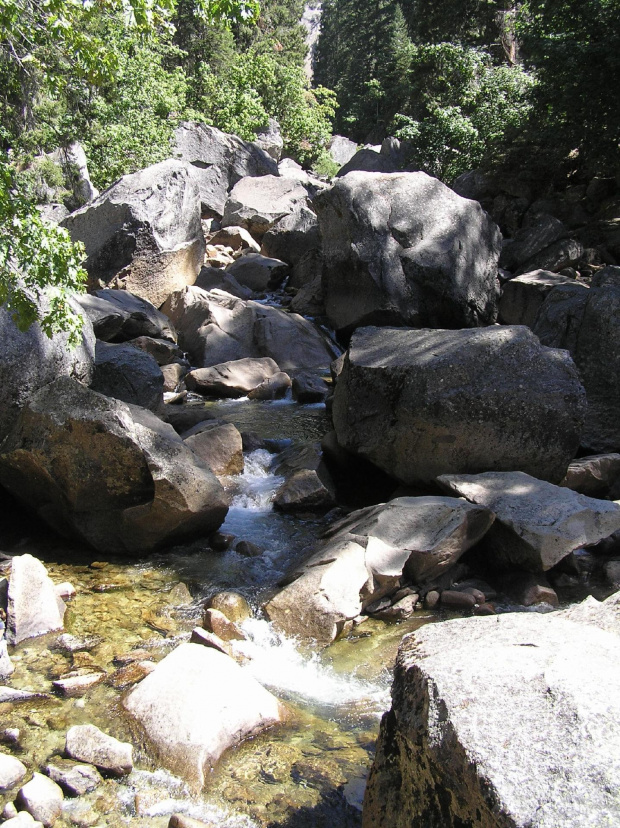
139, 317
215, 327
293, 237
341, 149
586, 323
367, 160
308, 485
530, 240
87, 743
196, 704
33, 607
523, 296
420, 403
366, 555
404, 249
231, 379
594, 475
257, 272
128, 374
12, 771
217, 161
511, 720
219, 445
143, 234
111, 473
173, 374
309, 388
215, 278
30, 359
258, 203
42, 799
162, 351
272, 388
537, 524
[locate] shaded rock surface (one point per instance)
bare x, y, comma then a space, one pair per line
367, 554
367, 160
593, 476
129, 374
258, 203
118, 315
143, 234
308, 484
457, 749
404, 249
537, 524
257, 272
523, 296
197, 703
423, 403
112, 473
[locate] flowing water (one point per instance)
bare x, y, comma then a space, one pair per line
309, 772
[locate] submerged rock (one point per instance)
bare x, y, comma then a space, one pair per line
404, 249
143, 234
33, 607
196, 704
537, 524
111, 473
511, 720
419, 403
367, 554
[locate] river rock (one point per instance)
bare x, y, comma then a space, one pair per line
128, 374
6, 665
523, 296
593, 476
308, 484
23, 820
585, 322
221, 626
138, 317
162, 351
308, 388
367, 160
422, 403
457, 746
182, 821
231, 379
218, 161
272, 388
366, 555
143, 234
237, 238
42, 799
74, 779
258, 203
219, 445
406, 250
30, 359
232, 604
12, 771
196, 704
33, 606
257, 272
215, 327
86, 743
73, 686
111, 473
537, 524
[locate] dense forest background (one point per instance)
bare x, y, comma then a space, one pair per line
463, 83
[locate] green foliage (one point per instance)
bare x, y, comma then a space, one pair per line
36, 258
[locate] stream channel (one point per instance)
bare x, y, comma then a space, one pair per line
310, 772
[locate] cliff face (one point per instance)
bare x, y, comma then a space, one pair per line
311, 21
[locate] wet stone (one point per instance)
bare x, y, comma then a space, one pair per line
87, 743
458, 600
220, 542
208, 639
131, 674
74, 686
42, 798
216, 622
74, 644
432, 599
74, 779
248, 549
234, 606
485, 609
12, 771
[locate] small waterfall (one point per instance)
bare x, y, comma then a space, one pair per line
311, 21
256, 486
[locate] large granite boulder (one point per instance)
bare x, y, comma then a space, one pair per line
219, 444
586, 323
258, 273
537, 524
231, 379
128, 374
111, 473
404, 249
118, 315
196, 704
143, 234
293, 237
341, 149
510, 721
419, 403
30, 359
368, 554
217, 161
258, 203
215, 327
531, 240
307, 485
367, 160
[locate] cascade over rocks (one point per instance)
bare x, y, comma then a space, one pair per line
217, 161
215, 327
537, 524
196, 704
420, 403
366, 555
586, 323
111, 473
118, 315
510, 721
143, 234
30, 359
258, 203
404, 249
